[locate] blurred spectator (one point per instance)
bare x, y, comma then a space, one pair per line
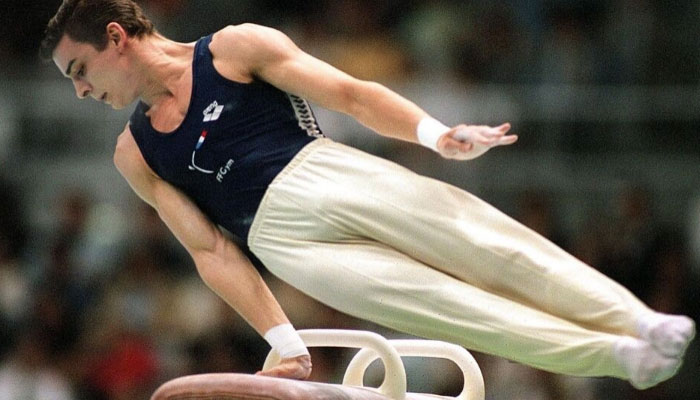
429, 31
22, 25
9, 125
507, 380
163, 8
15, 287
353, 39
60, 296
589, 244
83, 249
125, 369
28, 372
13, 223
15, 298
537, 213
487, 48
568, 48
693, 227
119, 332
153, 237
631, 242
629, 38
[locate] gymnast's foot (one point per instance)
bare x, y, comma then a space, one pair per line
669, 334
645, 366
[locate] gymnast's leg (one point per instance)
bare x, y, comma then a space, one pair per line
499, 270
372, 281
457, 233
476, 243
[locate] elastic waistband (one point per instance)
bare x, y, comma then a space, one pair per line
299, 158
295, 162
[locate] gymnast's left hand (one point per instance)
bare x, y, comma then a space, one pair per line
466, 142
290, 368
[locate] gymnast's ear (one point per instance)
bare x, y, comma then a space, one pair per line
116, 35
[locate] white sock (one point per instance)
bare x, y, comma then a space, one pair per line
645, 366
669, 334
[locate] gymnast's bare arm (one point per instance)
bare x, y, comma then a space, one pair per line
246, 52
220, 263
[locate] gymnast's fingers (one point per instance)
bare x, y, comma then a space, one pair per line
291, 368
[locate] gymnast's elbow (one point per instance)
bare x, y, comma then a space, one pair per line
206, 258
220, 253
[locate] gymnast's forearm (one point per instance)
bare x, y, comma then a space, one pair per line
220, 263
229, 273
384, 111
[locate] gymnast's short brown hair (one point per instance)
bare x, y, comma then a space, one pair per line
86, 21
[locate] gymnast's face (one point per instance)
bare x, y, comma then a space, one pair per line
103, 75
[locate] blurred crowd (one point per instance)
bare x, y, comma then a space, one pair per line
103, 303
499, 41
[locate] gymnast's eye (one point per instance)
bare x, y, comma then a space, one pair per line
81, 71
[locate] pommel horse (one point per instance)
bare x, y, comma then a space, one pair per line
372, 346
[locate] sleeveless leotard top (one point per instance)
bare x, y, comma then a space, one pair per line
234, 140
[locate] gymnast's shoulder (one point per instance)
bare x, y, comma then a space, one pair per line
239, 51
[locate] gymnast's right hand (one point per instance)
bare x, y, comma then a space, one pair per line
290, 368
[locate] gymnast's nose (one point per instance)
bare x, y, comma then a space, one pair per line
82, 88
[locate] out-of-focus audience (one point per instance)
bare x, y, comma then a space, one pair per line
104, 304
494, 41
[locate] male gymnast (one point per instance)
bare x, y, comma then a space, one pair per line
223, 136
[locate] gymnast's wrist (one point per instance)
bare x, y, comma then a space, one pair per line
429, 131
286, 341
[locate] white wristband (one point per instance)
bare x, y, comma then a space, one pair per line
286, 341
429, 131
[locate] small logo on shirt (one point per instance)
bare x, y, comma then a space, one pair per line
200, 142
212, 112
221, 173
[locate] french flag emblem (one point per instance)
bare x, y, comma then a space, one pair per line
201, 140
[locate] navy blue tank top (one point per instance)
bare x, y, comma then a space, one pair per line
234, 140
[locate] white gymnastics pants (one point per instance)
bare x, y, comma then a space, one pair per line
379, 242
